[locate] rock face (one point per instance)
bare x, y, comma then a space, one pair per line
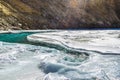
59, 14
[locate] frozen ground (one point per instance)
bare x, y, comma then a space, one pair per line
62, 55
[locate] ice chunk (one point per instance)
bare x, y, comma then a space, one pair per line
52, 76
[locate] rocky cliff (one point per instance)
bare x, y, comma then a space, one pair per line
59, 14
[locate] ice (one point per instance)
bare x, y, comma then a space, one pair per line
61, 55
51, 76
103, 41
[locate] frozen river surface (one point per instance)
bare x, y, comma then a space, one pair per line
60, 55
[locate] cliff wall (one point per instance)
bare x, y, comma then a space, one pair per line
59, 14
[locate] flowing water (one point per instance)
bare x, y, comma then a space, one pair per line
23, 60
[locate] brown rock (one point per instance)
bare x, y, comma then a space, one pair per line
60, 14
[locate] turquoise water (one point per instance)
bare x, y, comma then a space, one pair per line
15, 37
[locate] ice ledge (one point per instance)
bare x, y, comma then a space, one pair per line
106, 41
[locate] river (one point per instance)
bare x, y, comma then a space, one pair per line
43, 55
